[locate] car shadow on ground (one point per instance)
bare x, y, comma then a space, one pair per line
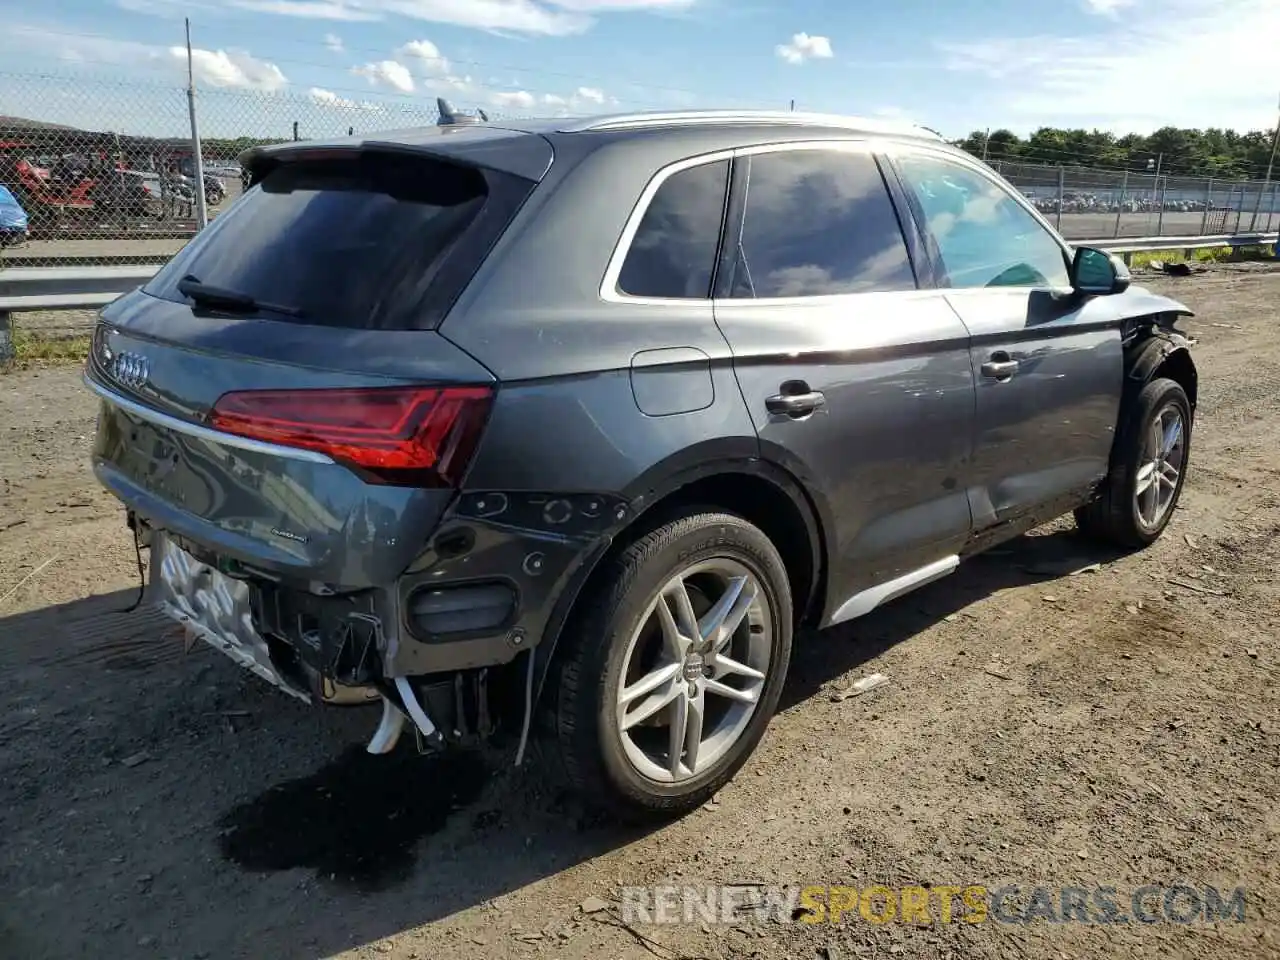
208, 782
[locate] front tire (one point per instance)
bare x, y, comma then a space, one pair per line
1140, 494
673, 669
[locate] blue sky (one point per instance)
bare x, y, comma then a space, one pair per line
957, 66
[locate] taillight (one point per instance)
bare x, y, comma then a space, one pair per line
415, 436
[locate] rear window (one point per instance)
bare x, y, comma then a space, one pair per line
369, 241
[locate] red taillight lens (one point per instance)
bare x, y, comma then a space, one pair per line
419, 436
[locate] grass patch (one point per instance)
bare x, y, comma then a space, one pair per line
1204, 255
28, 348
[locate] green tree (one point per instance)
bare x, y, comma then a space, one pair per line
1212, 152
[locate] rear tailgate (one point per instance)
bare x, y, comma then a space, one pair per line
277, 393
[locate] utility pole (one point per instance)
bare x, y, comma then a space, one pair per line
986, 142
1271, 161
197, 160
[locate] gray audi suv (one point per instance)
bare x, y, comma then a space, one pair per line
566, 428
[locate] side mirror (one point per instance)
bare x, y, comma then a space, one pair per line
1098, 273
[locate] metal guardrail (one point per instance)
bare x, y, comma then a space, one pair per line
68, 288
1129, 245
87, 287
62, 288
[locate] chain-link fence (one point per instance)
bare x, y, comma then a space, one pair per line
1091, 204
103, 171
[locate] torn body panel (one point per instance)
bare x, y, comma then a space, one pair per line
1153, 345
480, 592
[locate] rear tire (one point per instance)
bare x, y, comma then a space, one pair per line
1138, 498
628, 683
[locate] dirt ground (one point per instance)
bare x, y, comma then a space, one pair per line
1117, 726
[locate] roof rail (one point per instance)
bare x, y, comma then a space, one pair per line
633, 121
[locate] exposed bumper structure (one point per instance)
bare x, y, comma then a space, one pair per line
216, 608
219, 609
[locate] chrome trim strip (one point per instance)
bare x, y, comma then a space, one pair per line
199, 432
609, 291
864, 601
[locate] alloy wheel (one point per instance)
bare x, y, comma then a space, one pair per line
1160, 466
694, 670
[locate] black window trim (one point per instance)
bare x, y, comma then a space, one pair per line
926, 258
978, 168
610, 288
867, 145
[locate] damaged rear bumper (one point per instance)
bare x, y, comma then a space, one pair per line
429, 647
220, 610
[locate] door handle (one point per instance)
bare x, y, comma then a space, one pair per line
796, 404
999, 367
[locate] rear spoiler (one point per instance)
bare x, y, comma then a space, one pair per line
255, 157
462, 139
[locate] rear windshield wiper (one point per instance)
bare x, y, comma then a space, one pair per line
220, 298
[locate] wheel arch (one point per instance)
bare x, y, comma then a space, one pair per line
760, 491
1162, 355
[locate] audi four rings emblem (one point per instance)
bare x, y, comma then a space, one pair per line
130, 369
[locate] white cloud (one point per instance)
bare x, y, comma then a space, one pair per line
327, 98
540, 17
426, 56
804, 47
516, 16
1107, 81
584, 100
1107, 8
387, 73
419, 65
231, 68
311, 9
513, 99
18, 38
333, 42
227, 69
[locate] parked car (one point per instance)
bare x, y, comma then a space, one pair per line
559, 427
14, 223
126, 194
215, 191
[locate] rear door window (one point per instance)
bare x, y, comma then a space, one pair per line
347, 242
673, 254
818, 223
